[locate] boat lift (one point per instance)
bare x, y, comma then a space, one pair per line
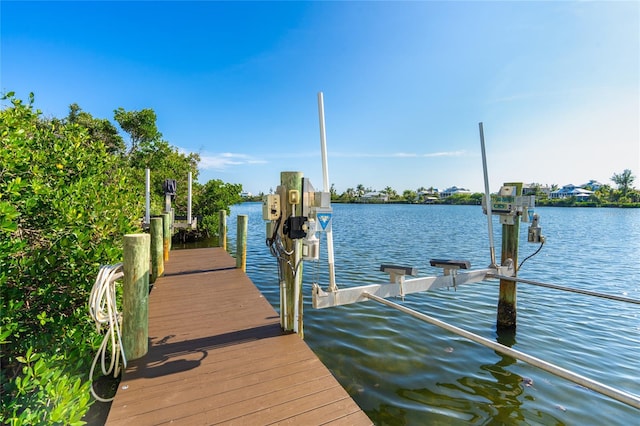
316, 215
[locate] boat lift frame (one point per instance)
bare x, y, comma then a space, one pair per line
399, 286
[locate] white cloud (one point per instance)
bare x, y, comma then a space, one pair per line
396, 154
225, 160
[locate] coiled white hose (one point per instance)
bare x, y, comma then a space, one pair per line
104, 311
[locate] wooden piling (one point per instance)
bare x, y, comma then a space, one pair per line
222, 229
241, 246
290, 264
135, 298
507, 299
166, 235
157, 252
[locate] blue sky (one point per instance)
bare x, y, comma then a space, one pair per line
556, 84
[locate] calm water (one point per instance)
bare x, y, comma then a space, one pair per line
403, 371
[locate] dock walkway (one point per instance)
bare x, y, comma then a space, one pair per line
217, 355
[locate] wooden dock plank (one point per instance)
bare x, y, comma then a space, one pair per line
217, 355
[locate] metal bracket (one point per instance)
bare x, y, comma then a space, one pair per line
397, 274
450, 267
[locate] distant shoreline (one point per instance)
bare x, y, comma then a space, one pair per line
563, 202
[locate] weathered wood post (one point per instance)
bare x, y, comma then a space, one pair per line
241, 245
157, 251
135, 297
166, 235
222, 229
290, 264
507, 298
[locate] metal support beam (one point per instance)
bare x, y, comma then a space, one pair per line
401, 287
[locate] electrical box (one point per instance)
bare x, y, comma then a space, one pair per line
311, 249
535, 232
310, 243
294, 196
270, 229
508, 205
507, 191
271, 207
294, 227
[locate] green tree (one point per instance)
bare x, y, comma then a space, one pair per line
140, 125
410, 196
213, 196
149, 150
99, 129
624, 181
391, 193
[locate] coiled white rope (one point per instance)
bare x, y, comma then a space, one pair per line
104, 311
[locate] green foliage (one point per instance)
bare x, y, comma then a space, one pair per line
65, 203
140, 125
212, 197
624, 181
463, 199
99, 129
44, 393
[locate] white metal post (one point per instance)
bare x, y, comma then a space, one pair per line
487, 197
189, 201
147, 194
326, 188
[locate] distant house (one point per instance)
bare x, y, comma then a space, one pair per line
245, 194
531, 189
374, 196
570, 190
593, 185
454, 190
429, 196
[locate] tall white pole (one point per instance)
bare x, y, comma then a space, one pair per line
147, 195
326, 188
189, 201
487, 197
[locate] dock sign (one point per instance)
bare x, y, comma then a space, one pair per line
325, 221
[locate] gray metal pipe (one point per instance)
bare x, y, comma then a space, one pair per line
613, 393
570, 289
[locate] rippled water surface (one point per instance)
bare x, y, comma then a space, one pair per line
404, 371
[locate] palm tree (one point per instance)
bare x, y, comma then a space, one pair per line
391, 193
624, 181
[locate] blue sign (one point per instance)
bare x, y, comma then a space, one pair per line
324, 219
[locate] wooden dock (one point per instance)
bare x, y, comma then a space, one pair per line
217, 355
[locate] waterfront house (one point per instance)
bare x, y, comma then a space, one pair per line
374, 197
570, 190
454, 190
